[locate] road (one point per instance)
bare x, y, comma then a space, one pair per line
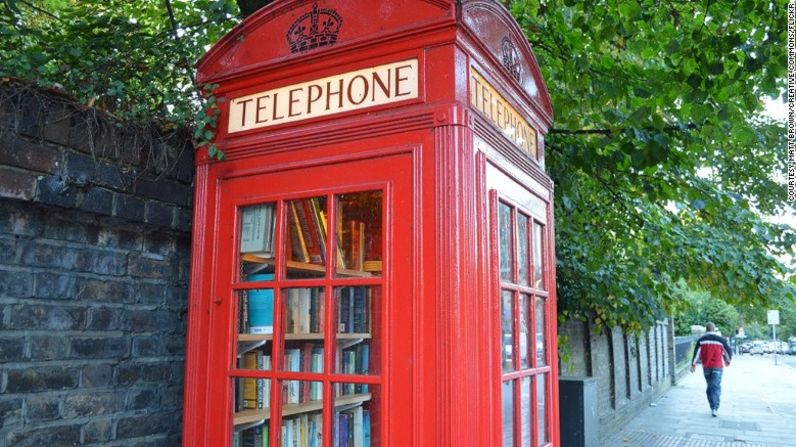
789, 360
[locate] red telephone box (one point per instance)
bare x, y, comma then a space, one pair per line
373, 259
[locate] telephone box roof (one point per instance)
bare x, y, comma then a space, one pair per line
279, 35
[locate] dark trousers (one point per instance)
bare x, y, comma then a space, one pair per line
713, 378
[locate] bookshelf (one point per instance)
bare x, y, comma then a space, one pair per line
282, 325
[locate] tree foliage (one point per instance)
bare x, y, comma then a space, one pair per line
698, 307
134, 60
661, 158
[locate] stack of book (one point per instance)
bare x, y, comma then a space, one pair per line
257, 230
253, 393
353, 312
252, 437
304, 309
305, 430
352, 428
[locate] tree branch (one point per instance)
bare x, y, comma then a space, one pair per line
177, 38
610, 132
41, 10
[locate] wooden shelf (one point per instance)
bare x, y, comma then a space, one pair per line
249, 338
304, 266
251, 416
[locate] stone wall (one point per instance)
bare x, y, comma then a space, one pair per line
631, 371
95, 243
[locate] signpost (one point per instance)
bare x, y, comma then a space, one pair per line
773, 320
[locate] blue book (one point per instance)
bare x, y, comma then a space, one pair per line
365, 428
342, 419
358, 309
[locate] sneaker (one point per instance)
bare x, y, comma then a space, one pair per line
714, 413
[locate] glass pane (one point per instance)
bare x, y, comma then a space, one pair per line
525, 315
257, 228
295, 392
508, 414
504, 229
522, 250
303, 430
252, 436
506, 313
305, 244
541, 400
302, 416
256, 312
541, 358
254, 354
303, 323
356, 316
251, 394
525, 412
537, 256
359, 234
251, 405
356, 416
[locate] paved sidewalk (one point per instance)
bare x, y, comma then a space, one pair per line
758, 408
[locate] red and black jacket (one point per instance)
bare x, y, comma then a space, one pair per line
713, 350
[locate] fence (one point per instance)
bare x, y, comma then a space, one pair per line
683, 348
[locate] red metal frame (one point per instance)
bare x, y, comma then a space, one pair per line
442, 164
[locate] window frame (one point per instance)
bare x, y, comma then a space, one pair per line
517, 289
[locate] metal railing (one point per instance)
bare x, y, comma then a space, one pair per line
683, 348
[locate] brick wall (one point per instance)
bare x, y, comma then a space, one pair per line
632, 370
95, 250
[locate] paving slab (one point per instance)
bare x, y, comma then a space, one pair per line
758, 409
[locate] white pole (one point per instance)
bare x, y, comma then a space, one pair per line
776, 345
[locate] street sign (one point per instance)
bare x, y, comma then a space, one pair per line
773, 317
741, 333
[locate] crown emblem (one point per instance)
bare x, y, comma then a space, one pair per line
511, 58
315, 29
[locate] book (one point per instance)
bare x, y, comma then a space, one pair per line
342, 422
263, 385
366, 428
356, 245
311, 229
260, 306
341, 264
250, 384
359, 310
356, 417
243, 316
254, 437
316, 430
257, 230
298, 246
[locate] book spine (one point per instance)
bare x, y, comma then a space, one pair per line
250, 384
366, 428
320, 221
310, 228
297, 241
358, 309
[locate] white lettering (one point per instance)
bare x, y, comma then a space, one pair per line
369, 87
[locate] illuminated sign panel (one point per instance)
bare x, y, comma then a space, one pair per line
360, 89
488, 101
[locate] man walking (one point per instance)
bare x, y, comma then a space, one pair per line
713, 352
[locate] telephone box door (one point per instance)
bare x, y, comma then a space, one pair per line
311, 328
